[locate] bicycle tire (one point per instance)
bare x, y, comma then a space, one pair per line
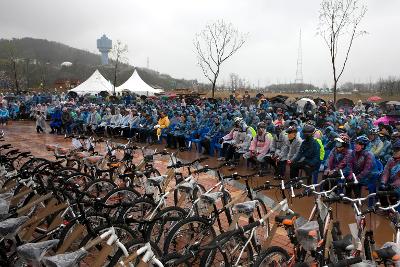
120, 195
169, 260
100, 184
155, 233
138, 209
269, 253
79, 178
192, 223
68, 230
234, 243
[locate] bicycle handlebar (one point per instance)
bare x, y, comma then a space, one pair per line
236, 176
180, 164
207, 168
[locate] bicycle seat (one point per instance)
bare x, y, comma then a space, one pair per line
211, 197
307, 233
186, 186
51, 147
245, 207
82, 155
156, 181
345, 244
287, 219
94, 159
35, 251
6, 196
4, 207
388, 252
9, 227
64, 260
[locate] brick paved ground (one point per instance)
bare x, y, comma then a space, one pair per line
24, 136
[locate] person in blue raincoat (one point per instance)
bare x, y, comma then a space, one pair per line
55, 122
4, 114
216, 131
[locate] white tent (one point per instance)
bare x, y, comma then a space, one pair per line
136, 85
94, 85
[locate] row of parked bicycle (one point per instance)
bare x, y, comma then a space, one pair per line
93, 209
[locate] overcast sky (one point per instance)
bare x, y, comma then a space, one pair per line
163, 30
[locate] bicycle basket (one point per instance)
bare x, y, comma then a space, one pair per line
307, 233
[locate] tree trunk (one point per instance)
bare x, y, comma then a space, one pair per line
334, 92
115, 76
15, 77
213, 88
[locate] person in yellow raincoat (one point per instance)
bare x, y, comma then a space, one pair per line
163, 122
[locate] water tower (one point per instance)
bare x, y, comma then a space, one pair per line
104, 45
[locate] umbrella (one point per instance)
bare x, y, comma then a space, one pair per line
343, 102
319, 101
104, 93
279, 105
301, 103
395, 103
72, 94
386, 120
395, 113
374, 98
278, 98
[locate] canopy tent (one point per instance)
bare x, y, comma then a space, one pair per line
136, 85
93, 85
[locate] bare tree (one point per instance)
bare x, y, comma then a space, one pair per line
338, 25
214, 45
12, 59
118, 53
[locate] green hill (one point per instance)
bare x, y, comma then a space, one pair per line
39, 60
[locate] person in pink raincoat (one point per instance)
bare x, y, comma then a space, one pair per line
259, 146
236, 142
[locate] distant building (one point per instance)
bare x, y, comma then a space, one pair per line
104, 45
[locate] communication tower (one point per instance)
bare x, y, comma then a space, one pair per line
104, 45
299, 71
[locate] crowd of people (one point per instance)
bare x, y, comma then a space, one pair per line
287, 138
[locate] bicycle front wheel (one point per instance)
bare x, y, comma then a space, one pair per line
188, 233
228, 253
273, 256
